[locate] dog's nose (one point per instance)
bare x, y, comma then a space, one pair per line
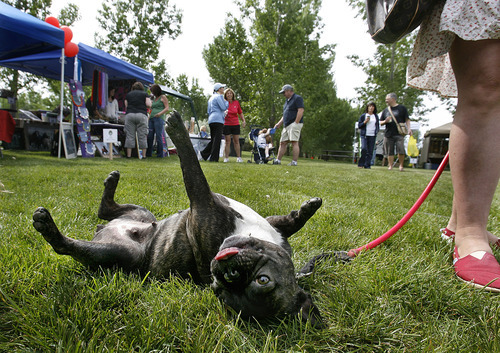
231, 275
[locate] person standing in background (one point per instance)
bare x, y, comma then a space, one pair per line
136, 120
159, 108
368, 125
392, 138
292, 121
232, 125
216, 109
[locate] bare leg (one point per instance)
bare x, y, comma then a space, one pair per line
452, 225
474, 142
401, 159
282, 149
227, 148
390, 161
236, 143
296, 150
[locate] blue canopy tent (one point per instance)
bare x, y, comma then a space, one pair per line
31, 45
22, 34
48, 65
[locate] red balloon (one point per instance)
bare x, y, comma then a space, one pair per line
68, 34
70, 49
53, 21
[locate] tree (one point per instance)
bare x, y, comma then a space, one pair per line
134, 31
386, 72
195, 92
281, 46
230, 59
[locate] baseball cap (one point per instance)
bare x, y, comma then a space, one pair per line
286, 88
218, 85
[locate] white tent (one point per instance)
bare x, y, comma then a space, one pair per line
435, 145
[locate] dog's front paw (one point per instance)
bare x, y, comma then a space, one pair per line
43, 223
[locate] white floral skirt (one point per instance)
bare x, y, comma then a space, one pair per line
429, 67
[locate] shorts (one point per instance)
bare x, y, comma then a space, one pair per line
231, 130
390, 142
291, 132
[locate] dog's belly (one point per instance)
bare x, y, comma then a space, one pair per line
124, 231
254, 225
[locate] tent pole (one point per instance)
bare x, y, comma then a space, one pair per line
61, 103
75, 78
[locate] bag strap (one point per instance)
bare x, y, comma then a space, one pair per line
395, 121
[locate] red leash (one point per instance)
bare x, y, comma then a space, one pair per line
354, 252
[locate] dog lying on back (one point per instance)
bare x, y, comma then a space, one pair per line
245, 257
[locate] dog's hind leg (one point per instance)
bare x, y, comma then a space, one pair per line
88, 253
206, 210
196, 184
293, 222
109, 209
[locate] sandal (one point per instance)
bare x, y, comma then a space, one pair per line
479, 269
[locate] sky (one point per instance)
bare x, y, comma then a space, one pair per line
203, 20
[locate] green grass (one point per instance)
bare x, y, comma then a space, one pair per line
400, 297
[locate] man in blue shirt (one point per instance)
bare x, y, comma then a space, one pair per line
216, 109
292, 121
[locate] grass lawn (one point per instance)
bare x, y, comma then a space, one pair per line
401, 296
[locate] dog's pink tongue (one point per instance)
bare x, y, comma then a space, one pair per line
226, 253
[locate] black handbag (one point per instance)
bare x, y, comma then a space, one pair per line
391, 20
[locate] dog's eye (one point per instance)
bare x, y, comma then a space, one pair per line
262, 280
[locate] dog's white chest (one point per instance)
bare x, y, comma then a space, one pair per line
254, 225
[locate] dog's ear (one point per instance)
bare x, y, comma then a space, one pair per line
307, 310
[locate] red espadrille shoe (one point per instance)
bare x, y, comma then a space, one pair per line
479, 269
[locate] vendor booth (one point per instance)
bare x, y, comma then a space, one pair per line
91, 63
435, 146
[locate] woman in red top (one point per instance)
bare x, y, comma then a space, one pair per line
232, 125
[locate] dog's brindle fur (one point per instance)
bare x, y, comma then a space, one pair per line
186, 243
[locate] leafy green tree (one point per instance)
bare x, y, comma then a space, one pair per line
230, 59
195, 92
134, 31
386, 72
281, 46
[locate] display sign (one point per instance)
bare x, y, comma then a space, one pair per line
109, 135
